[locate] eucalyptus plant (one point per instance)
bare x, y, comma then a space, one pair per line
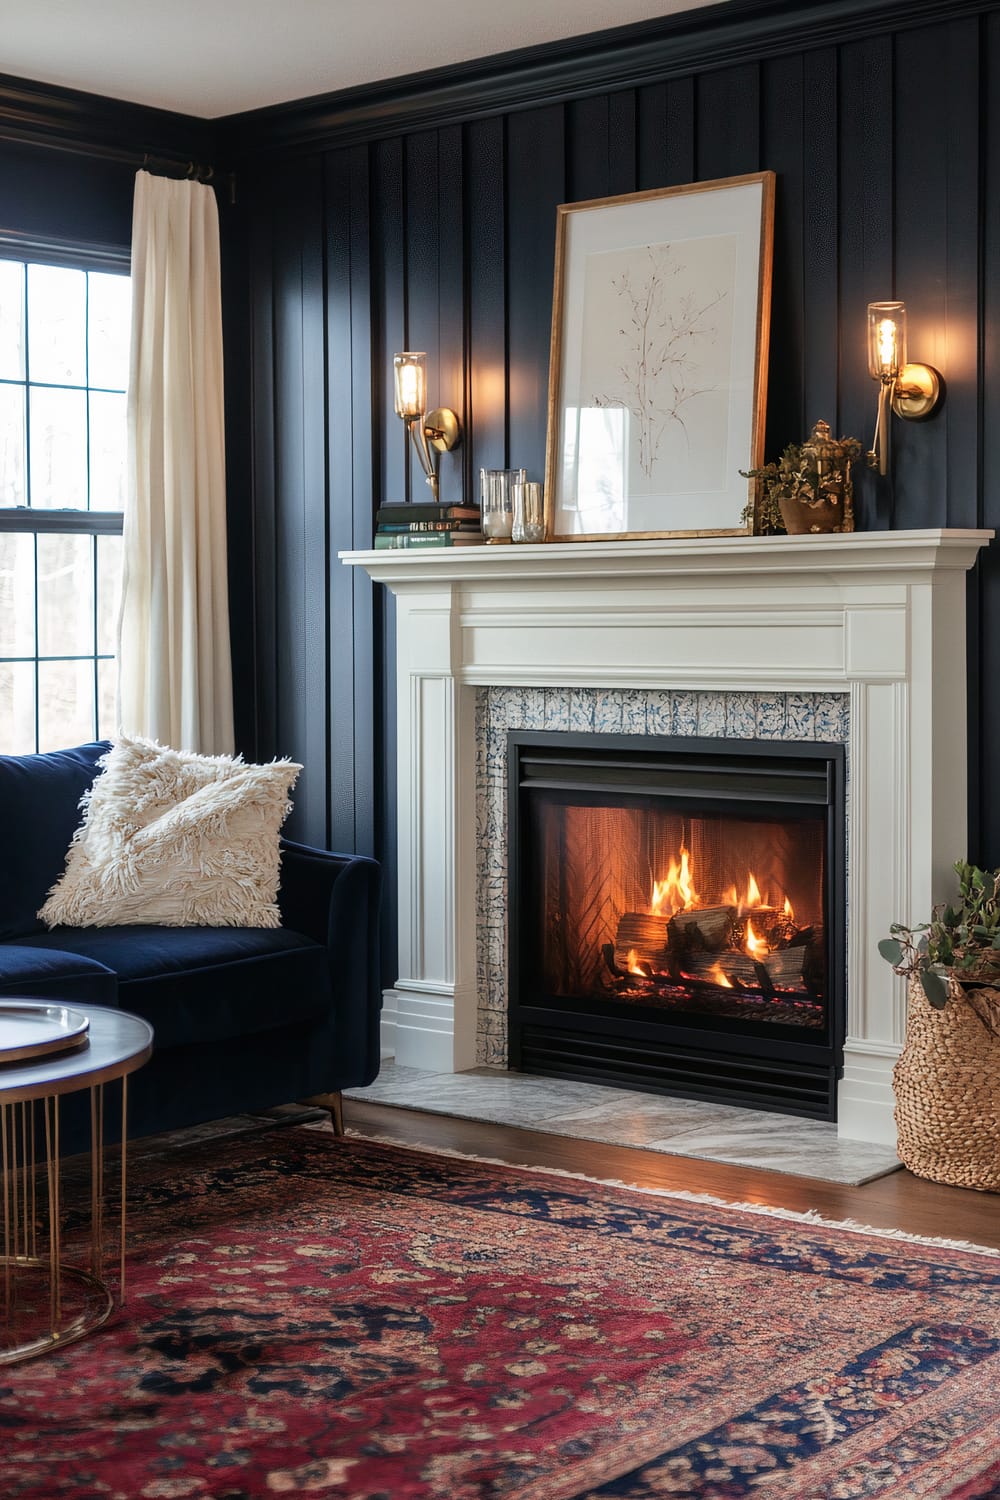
961, 942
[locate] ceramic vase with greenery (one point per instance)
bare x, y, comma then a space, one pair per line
808, 489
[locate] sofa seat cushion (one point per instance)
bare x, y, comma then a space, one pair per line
202, 984
40, 796
46, 974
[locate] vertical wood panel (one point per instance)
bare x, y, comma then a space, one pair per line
820, 242
588, 167
263, 429
300, 492
486, 419
728, 138
422, 242
535, 186
449, 380
865, 237
622, 155
388, 317
781, 151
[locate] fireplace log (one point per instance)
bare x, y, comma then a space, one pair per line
789, 968
705, 927
646, 936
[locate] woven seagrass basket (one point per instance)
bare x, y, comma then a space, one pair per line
947, 1084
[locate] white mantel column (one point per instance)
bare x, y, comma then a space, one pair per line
436, 988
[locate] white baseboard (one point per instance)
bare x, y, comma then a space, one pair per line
866, 1102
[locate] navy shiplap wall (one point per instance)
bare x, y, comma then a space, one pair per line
423, 216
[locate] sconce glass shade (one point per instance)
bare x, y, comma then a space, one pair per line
886, 339
410, 377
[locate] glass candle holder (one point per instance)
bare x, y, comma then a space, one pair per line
529, 517
497, 500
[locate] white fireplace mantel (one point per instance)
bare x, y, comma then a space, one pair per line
878, 616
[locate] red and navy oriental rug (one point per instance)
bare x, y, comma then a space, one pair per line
315, 1317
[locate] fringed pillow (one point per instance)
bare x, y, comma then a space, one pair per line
175, 839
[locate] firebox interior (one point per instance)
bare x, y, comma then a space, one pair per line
677, 915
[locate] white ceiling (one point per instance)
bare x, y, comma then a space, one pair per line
217, 57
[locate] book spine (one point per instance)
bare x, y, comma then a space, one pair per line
391, 529
408, 515
386, 542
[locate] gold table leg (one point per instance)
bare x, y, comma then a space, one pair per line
47, 1303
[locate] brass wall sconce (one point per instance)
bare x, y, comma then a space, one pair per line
912, 390
433, 432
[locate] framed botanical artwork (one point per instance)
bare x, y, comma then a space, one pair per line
658, 368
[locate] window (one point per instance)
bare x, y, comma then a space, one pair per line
64, 336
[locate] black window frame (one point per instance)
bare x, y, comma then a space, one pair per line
48, 520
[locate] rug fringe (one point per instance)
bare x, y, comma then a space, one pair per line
807, 1216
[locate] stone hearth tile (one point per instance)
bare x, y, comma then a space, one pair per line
772, 717
680, 1127
658, 716
494, 996
684, 713
741, 716
633, 711
495, 1053
711, 714
557, 708
833, 711
581, 708
525, 708
801, 716
608, 711
498, 707
491, 900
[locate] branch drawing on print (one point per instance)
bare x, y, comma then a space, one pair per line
661, 373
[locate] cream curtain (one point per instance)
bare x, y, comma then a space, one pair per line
175, 674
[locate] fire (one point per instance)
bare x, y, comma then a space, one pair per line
789, 911
753, 892
755, 946
632, 963
677, 890
719, 977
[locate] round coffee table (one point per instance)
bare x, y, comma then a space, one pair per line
45, 1303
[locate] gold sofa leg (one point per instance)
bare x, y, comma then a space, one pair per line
335, 1104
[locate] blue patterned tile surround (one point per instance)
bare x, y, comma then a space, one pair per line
735, 716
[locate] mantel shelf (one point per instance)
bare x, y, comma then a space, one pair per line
851, 553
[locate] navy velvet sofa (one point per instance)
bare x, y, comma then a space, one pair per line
243, 1018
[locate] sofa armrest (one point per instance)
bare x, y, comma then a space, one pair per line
334, 899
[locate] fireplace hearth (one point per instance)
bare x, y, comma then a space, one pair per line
676, 915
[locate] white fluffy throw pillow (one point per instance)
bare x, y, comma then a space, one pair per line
176, 839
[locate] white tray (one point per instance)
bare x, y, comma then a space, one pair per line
29, 1029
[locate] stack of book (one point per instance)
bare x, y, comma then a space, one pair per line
429, 525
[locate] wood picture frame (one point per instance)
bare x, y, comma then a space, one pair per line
658, 360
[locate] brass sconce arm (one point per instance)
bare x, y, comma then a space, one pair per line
910, 390
432, 432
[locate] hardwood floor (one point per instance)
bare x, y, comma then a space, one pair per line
899, 1201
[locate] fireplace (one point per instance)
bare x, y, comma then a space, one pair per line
676, 915
747, 628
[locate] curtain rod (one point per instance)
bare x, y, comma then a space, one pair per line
182, 167
168, 166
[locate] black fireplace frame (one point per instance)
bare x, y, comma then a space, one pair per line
776, 1068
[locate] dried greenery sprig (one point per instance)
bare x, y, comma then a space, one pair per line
960, 943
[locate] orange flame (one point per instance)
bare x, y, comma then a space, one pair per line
632, 963
755, 946
789, 911
718, 977
750, 898
676, 890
